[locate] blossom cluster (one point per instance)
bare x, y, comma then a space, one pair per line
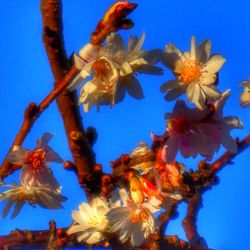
38, 185
131, 217
151, 186
155, 184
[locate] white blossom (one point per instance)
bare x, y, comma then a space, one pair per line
133, 221
91, 221
113, 69
196, 73
32, 194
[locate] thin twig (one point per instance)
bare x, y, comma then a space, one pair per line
31, 114
227, 157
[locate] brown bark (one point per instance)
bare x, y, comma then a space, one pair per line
83, 156
55, 239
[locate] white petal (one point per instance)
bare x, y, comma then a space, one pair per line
170, 85
139, 44
175, 93
193, 49
75, 82
233, 122
94, 238
125, 69
138, 62
75, 229
133, 40
211, 92
124, 195
18, 157
85, 208
135, 89
171, 48
86, 71
83, 237
245, 97
195, 95
80, 218
116, 40
171, 57
219, 104
214, 64
79, 62
88, 52
204, 51
207, 78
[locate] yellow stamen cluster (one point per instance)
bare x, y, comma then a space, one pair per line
94, 221
190, 71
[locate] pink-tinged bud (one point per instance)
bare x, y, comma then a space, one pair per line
136, 190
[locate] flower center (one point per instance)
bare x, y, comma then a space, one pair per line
37, 159
101, 68
177, 126
190, 71
170, 174
139, 216
94, 221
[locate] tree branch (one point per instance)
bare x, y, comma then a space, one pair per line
190, 221
31, 114
227, 157
56, 239
84, 158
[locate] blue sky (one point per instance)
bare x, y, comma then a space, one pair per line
26, 76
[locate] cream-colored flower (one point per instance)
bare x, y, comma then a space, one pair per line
195, 71
245, 96
113, 69
34, 195
91, 221
133, 221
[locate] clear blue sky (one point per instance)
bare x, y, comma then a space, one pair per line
26, 76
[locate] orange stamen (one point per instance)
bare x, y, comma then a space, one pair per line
190, 71
37, 159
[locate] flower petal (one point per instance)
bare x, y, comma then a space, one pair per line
211, 92
193, 49
195, 95
134, 89
214, 64
204, 50
208, 78
175, 93
18, 157
139, 43
172, 84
